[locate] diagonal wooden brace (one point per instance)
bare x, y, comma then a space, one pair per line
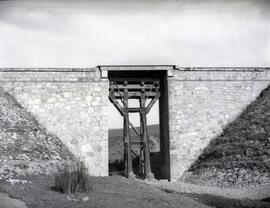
116, 103
152, 102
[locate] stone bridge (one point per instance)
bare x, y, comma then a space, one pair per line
197, 104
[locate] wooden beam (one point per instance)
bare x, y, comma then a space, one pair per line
113, 99
134, 129
127, 145
147, 165
152, 102
134, 79
133, 95
135, 88
132, 87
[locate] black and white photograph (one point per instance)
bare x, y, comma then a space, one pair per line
134, 103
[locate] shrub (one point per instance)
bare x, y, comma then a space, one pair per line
72, 179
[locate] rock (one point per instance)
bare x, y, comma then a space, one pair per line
26, 148
86, 198
72, 199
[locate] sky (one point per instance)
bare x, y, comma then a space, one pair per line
187, 33
89, 33
116, 120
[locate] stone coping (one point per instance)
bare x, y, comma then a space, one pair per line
223, 69
136, 67
48, 69
221, 74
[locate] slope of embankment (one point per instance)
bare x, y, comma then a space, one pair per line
25, 146
240, 156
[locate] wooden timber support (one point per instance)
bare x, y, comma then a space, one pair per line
127, 146
142, 90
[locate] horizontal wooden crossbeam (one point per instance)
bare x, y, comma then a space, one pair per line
133, 95
147, 80
137, 142
133, 87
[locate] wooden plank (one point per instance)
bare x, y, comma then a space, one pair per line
133, 95
134, 110
134, 79
133, 87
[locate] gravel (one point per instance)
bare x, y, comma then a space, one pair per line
240, 156
25, 146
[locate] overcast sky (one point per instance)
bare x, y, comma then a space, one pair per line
89, 33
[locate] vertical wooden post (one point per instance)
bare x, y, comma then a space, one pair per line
127, 146
147, 165
141, 161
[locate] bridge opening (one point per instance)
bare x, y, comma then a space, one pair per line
145, 148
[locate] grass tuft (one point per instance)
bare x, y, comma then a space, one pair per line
73, 179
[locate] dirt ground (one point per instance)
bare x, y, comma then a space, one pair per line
116, 192
254, 193
107, 192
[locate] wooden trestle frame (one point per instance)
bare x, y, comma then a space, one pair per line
142, 89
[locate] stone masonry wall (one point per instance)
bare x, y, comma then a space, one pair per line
70, 103
73, 105
202, 101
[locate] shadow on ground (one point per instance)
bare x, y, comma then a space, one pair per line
117, 192
106, 192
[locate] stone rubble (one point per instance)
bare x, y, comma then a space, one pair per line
240, 156
25, 146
